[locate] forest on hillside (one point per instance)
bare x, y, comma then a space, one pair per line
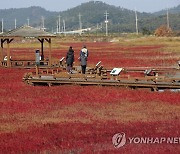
92, 14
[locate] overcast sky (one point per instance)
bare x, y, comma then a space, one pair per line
61, 5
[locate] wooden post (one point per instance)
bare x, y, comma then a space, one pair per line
37, 70
37, 61
8, 52
42, 48
8, 55
50, 51
1, 54
1, 51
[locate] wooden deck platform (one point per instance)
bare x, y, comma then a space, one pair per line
64, 78
153, 78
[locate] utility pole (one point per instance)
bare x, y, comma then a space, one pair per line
106, 22
2, 22
57, 28
59, 23
80, 23
97, 28
28, 21
64, 26
42, 23
52, 30
167, 18
136, 22
15, 23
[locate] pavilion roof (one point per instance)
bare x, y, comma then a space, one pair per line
27, 32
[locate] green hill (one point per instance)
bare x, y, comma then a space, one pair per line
21, 15
174, 10
120, 19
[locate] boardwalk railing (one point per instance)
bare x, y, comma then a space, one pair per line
26, 63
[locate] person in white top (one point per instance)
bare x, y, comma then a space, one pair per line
83, 58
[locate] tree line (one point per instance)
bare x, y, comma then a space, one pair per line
120, 20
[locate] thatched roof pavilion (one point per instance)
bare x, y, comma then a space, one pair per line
26, 32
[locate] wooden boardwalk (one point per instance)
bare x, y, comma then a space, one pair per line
152, 82
151, 77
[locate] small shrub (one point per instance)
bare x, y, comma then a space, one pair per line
163, 31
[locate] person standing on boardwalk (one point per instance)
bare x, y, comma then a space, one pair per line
83, 58
70, 59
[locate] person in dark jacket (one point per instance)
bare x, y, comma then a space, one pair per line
70, 59
83, 58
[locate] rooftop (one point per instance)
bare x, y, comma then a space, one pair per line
27, 31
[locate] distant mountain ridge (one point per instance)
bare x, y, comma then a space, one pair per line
34, 14
174, 10
92, 15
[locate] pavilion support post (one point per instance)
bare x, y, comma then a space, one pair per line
8, 55
1, 49
42, 48
50, 51
8, 52
1, 56
1, 52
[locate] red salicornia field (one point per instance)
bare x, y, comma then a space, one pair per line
83, 119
